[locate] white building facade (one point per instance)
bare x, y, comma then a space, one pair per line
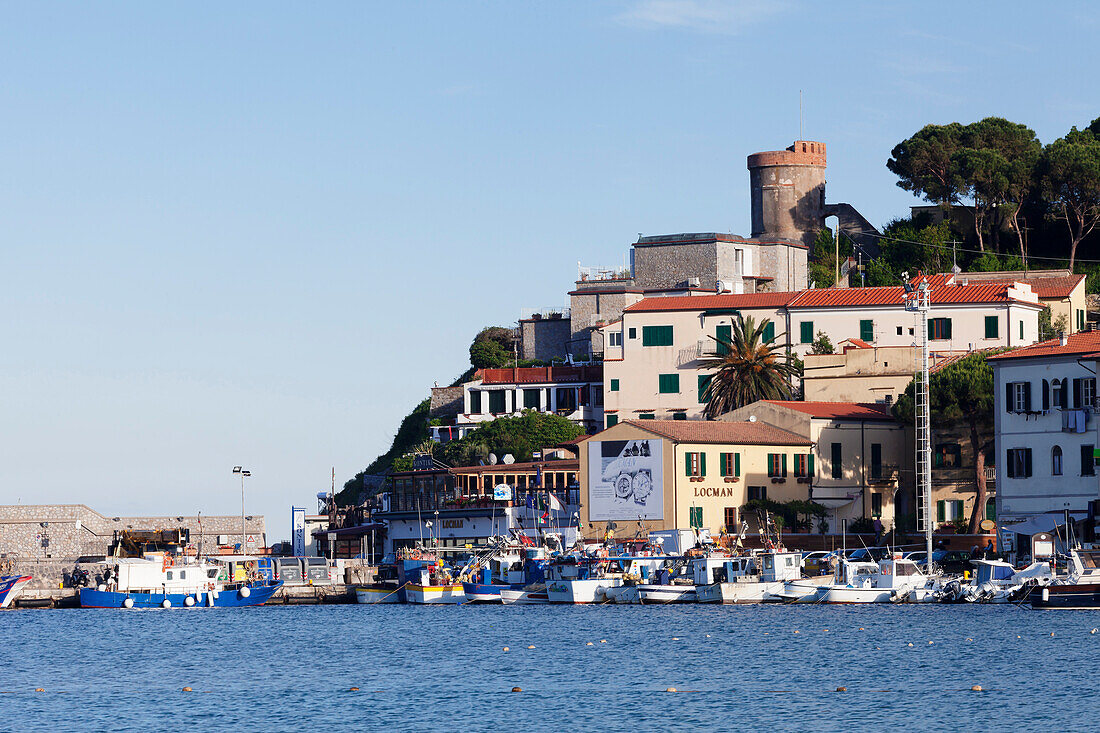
1046, 433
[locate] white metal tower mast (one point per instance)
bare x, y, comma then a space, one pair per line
917, 300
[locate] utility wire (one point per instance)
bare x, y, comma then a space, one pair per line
963, 249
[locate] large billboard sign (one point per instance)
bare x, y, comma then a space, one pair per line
625, 480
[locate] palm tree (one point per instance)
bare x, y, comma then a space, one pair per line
748, 369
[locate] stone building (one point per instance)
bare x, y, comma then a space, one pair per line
58, 532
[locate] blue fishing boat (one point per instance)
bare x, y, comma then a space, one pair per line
10, 585
161, 583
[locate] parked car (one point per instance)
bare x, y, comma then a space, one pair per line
816, 562
868, 554
919, 556
954, 562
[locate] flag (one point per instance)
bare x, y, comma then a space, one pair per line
530, 502
555, 505
538, 476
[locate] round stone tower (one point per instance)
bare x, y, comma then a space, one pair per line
788, 192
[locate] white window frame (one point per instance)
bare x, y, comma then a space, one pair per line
1019, 397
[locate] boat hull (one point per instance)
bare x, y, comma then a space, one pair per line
257, 596
10, 585
429, 595
748, 592
659, 594
581, 591
524, 597
377, 595
483, 592
1085, 595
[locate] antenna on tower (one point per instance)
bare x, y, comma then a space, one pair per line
801, 135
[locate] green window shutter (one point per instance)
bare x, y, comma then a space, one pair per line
1021, 329
769, 332
784, 471
723, 334
656, 335
687, 464
704, 384
947, 328
646, 416
722, 464
941, 511
612, 420
867, 330
810, 464
991, 327
531, 399
736, 464
668, 383
679, 416
959, 509
836, 467
991, 508
702, 464
807, 332
614, 385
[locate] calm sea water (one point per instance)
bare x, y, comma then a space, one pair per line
443, 668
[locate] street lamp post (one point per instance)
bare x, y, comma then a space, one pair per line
244, 474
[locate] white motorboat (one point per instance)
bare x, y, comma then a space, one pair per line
577, 590
889, 580
995, 581
745, 579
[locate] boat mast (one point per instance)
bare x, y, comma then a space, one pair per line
918, 300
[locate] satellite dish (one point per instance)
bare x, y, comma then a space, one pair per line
492, 459
508, 459
752, 418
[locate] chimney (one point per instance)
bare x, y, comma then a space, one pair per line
1063, 339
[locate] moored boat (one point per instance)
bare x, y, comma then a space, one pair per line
889, 580
153, 582
10, 585
535, 593
1081, 589
747, 578
378, 593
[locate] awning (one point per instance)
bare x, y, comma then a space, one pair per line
1039, 522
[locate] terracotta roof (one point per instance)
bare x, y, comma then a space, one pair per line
706, 431
1044, 283
712, 302
1081, 344
942, 294
855, 344
838, 410
943, 359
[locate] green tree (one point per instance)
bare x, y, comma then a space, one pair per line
1069, 175
823, 258
751, 369
493, 348
961, 392
822, 344
925, 163
996, 164
519, 436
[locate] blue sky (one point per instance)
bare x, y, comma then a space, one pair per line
256, 233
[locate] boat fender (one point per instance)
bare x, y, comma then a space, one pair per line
128, 603
1046, 594
244, 592
188, 601
166, 603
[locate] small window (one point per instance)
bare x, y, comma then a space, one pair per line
679, 416
169, 575
939, 329
1088, 462
837, 470
804, 465
704, 387
183, 575
867, 330
910, 331
1021, 330
876, 460
1056, 461
777, 465
729, 464
769, 332
695, 464
1019, 462
615, 338
947, 455
668, 383
612, 420
614, 386
806, 332
992, 328
876, 505
656, 335
632, 333
759, 493
475, 401
900, 332
730, 517
646, 416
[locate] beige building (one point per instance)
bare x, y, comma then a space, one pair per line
652, 364
863, 458
664, 474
